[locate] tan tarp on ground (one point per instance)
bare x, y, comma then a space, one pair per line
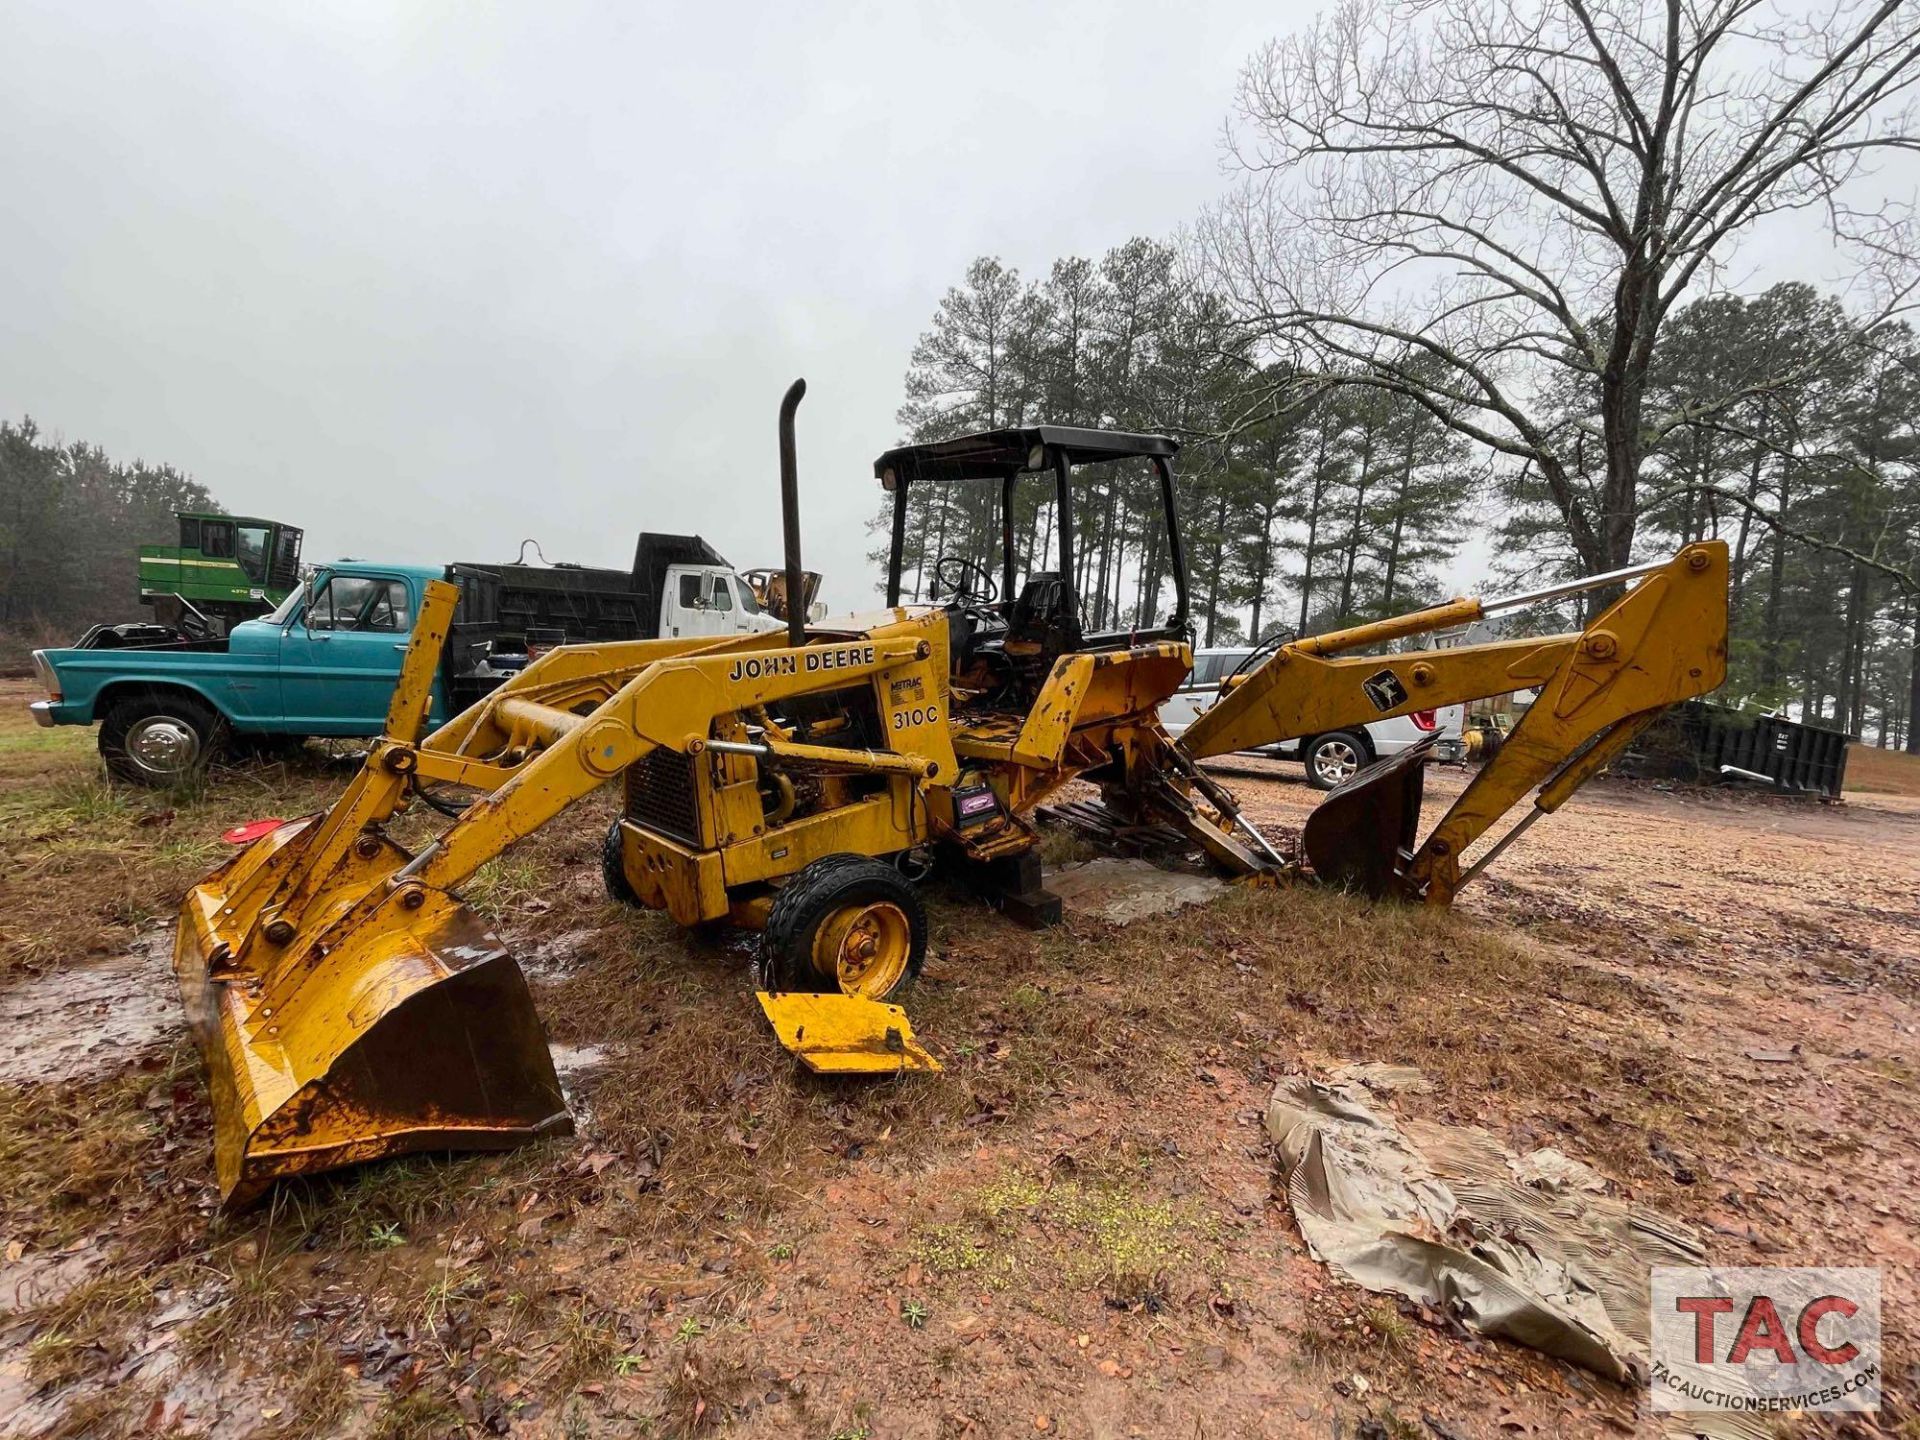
1532, 1248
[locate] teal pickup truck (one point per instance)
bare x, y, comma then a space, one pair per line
323, 663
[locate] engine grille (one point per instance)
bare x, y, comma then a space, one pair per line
660, 795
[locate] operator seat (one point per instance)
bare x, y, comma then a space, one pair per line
1045, 620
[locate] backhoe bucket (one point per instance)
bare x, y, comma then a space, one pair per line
415, 1031
1361, 837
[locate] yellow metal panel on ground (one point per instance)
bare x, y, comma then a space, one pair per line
845, 1034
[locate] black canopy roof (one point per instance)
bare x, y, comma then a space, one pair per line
994, 454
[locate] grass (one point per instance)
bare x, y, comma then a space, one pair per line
949, 1249
92, 864
414, 1415
313, 1396
1109, 1234
714, 1134
590, 1345
71, 1151
506, 884
1384, 1320
700, 1389
1062, 845
1344, 1331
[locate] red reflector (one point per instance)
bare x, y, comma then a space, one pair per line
1426, 719
251, 831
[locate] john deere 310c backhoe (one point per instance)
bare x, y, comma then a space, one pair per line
349, 1005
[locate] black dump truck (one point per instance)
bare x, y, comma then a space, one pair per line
679, 585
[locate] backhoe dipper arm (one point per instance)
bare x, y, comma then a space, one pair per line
1664, 641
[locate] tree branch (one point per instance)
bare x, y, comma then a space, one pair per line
1907, 580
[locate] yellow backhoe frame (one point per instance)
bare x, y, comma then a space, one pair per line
349, 1004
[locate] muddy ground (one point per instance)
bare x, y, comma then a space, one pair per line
1072, 1231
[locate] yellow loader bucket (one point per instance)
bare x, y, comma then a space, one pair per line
346, 1012
402, 1038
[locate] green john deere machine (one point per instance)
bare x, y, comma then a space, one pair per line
226, 568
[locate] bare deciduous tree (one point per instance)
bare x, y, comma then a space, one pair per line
1482, 204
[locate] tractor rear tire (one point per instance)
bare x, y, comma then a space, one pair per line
163, 740
845, 923
613, 870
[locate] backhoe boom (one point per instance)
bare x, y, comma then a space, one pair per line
1664, 641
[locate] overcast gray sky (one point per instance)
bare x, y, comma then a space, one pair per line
429, 278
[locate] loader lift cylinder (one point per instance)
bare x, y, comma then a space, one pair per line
790, 515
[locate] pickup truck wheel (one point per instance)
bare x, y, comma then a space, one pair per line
1334, 758
160, 741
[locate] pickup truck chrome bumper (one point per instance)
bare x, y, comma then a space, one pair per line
42, 711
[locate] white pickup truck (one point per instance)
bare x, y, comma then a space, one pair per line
1329, 758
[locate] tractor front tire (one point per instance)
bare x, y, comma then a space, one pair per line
613, 870
845, 923
160, 740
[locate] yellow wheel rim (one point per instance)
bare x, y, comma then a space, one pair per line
864, 949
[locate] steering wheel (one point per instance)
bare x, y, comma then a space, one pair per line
964, 573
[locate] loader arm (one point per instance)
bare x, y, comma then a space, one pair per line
1664, 641
349, 1002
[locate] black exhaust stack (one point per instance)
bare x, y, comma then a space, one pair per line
790, 517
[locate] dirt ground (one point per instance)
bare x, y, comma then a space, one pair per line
1072, 1231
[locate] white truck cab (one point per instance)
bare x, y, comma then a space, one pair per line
710, 600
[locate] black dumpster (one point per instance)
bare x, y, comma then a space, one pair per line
1703, 743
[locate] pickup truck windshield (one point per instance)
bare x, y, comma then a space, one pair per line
285, 607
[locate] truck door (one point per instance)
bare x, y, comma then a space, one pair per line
1201, 689
734, 604
691, 609
340, 660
